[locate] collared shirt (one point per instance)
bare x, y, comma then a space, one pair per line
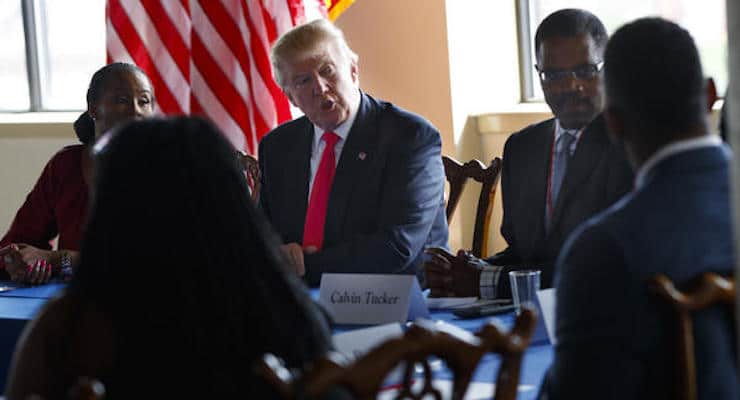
317, 147
559, 131
671, 149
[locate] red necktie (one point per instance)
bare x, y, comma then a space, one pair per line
313, 230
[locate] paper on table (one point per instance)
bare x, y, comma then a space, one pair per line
546, 298
355, 343
441, 303
476, 390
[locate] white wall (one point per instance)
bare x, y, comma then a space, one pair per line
26, 144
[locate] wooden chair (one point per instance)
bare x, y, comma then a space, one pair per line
711, 289
251, 169
457, 175
364, 377
87, 389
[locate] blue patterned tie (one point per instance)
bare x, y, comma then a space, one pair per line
559, 166
560, 163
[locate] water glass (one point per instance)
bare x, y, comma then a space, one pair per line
524, 287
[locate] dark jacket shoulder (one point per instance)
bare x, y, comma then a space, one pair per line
536, 129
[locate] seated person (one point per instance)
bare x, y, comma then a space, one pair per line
614, 335
58, 203
181, 285
555, 174
356, 184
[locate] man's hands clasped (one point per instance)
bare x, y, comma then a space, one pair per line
453, 276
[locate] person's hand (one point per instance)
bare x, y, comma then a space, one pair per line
27, 264
294, 253
29, 254
14, 264
452, 276
38, 273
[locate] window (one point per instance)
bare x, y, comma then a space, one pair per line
54, 47
13, 59
705, 20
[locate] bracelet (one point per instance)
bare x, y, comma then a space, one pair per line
65, 266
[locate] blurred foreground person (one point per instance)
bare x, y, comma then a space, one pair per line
181, 286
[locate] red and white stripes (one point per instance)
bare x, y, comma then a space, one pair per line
210, 57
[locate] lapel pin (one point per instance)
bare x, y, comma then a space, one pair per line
362, 156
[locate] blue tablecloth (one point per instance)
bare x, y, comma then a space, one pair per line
537, 358
19, 305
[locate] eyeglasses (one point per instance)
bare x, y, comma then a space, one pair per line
582, 72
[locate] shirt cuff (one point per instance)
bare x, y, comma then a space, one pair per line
489, 276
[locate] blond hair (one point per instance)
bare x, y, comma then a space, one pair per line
302, 42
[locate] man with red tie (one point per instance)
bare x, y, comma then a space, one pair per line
356, 184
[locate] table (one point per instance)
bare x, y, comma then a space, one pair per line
19, 305
535, 363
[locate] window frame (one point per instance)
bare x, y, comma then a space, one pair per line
30, 34
526, 61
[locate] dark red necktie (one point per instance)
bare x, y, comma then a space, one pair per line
313, 230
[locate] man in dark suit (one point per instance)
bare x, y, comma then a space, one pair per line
373, 203
613, 336
556, 173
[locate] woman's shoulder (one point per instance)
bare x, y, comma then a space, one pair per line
69, 153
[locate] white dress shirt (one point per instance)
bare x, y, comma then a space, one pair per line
317, 147
559, 131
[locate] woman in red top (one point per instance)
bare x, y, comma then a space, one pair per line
57, 205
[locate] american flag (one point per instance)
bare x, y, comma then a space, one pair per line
211, 57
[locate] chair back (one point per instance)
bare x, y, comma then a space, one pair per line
87, 388
457, 175
364, 377
251, 169
710, 289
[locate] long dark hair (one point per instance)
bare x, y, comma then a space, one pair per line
186, 267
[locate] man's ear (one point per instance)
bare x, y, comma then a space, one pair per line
711, 92
354, 71
92, 111
614, 123
289, 96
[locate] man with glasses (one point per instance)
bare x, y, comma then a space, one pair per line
556, 173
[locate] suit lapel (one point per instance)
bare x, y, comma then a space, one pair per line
357, 156
589, 152
536, 181
297, 173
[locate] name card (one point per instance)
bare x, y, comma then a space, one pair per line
372, 299
546, 299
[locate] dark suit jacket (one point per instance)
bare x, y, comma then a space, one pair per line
387, 199
598, 175
614, 336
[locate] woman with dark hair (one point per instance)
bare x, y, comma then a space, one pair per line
57, 205
180, 288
